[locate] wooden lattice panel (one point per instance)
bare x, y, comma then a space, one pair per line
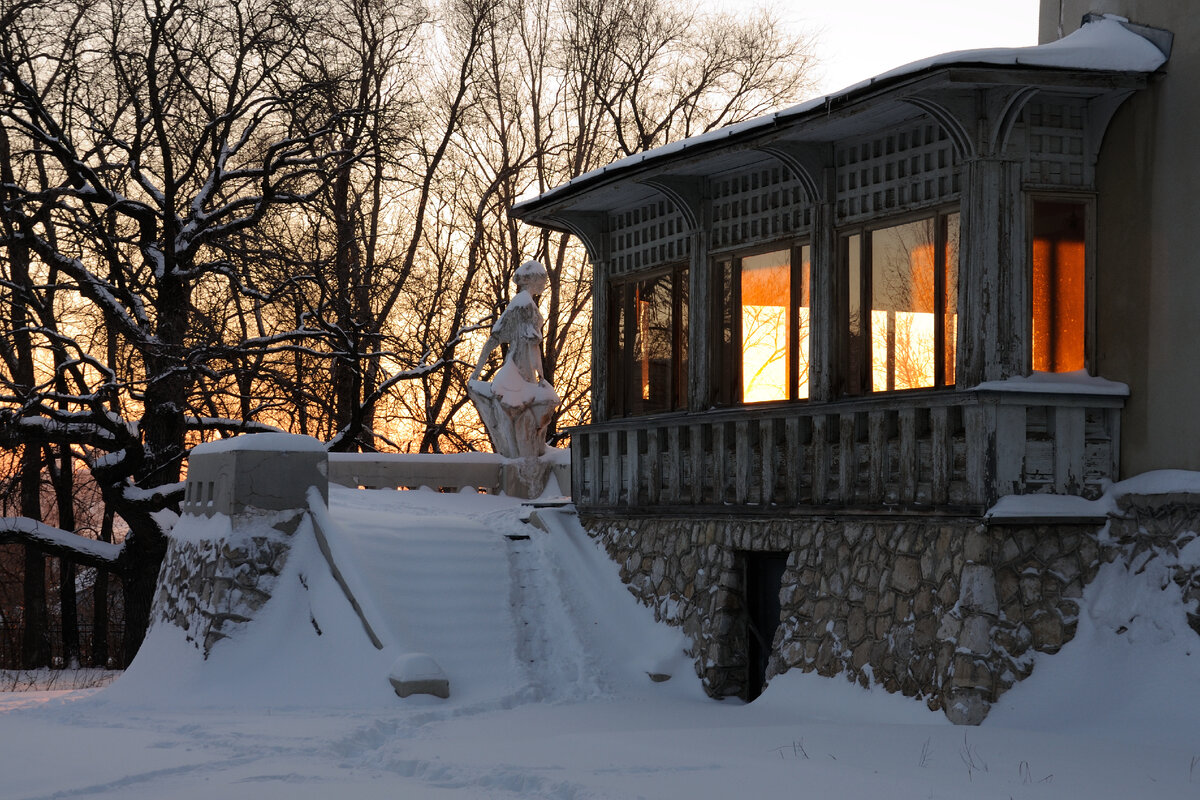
756, 206
642, 238
1055, 136
904, 170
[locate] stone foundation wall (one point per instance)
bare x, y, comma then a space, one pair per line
948, 610
1162, 527
210, 588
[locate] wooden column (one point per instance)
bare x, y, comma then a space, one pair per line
993, 327
823, 337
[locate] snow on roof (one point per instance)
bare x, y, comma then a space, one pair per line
1101, 44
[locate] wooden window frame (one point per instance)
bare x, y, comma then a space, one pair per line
848, 372
728, 379
1088, 201
621, 357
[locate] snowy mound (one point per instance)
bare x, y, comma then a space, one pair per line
305, 647
1133, 669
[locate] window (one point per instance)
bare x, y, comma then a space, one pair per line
648, 332
901, 305
764, 315
1059, 289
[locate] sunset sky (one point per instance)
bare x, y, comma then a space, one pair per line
860, 38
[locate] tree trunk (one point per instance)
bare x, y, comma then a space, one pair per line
100, 602
68, 608
35, 638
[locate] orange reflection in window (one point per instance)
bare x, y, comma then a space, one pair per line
1059, 304
766, 292
903, 333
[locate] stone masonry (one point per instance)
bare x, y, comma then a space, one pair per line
212, 587
949, 610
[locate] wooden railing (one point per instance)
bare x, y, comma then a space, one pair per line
944, 450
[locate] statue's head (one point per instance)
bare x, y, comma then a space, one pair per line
531, 277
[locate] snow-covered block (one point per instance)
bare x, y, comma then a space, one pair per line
418, 673
267, 471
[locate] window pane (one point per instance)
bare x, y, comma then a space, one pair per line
618, 323
652, 346
765, 285
903, 336
1059, 302
855, 333
727, 372
681, 373
950, 299
802, 316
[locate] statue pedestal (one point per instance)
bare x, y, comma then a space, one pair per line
525, 478
517, 414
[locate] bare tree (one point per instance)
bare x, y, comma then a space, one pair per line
151, 135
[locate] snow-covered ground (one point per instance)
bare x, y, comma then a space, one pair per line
548, 659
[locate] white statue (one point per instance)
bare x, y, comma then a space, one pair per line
518, 404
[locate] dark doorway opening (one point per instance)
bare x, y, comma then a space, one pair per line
763, 579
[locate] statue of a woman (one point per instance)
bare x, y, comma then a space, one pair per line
520, 327
518, 404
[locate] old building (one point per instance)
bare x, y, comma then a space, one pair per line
826, 342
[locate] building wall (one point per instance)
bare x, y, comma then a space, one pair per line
1148, 250
949, 610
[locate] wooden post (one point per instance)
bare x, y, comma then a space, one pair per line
720, 459
847, 458
594, 469
793, 460
1010, 449
766, 451
980, 432
820, 458
877, 434
653, 465
941, 454
632, 468
1068, 449
697, 456
910, 468
614, 468
577, 469
993, 342
741, 462
823, 339
673, 464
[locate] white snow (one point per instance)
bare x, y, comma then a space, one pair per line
547, 655
1159, 481
1045, 506
1103, 45
281, 442
1078, 382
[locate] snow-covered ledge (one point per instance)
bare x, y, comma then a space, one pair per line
487, 472
266, 471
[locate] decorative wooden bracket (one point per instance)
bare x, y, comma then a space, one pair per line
979, 122
589, 227
686, 192
808, 161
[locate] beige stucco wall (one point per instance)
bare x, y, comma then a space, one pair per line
1148, 241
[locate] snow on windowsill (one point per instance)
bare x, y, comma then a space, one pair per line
1078, 382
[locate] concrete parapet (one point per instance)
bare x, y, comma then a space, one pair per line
266, 471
